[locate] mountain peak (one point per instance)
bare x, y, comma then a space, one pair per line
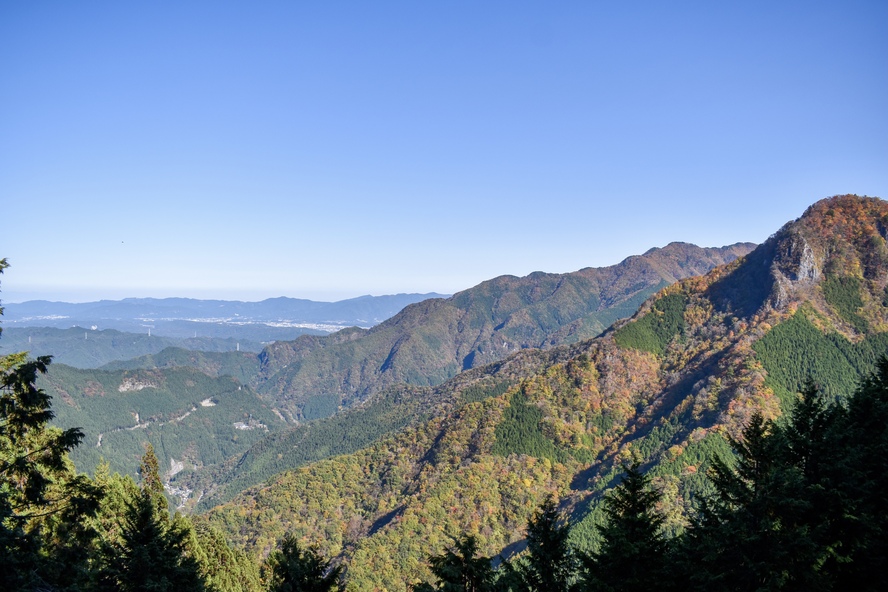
844, 235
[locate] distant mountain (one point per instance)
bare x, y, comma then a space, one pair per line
433, 340
265, 321
665, 387
86, 348
241, 365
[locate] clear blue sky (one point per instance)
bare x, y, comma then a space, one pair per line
331, 149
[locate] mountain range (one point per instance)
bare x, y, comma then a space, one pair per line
87, 348
433, 340
421, 346
429, 428
265, 321
665, 387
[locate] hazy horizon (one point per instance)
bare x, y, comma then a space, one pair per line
82, 297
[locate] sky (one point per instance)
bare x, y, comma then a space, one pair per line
325, 150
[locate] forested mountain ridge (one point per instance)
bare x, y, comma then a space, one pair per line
244, 366
384, 412
694, 364
191, 418
433, 340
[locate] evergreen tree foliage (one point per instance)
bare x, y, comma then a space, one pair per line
803, 505
152, 550
654, 331
520, 432
459, 570
149, 471
551, 563
292, 568
633, 548
223, 568
857, 550
738, 540
42, 500
843, 293
795, 351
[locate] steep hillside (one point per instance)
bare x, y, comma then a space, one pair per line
244, 366
381, 414
665, 387
431, 341
542, 310
190, 418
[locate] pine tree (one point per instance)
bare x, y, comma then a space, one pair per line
859, 475
223, 568
149, 471
42, 500
459, 570
771, 524
152, 551
733, 543
292, 568
633, 549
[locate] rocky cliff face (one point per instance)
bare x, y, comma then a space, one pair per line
842, 235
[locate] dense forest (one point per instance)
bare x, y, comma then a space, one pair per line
800, 505
189, 417
567, 429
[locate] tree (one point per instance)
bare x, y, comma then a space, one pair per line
459, 570
735, 540
292, 568
223, 569
803, 504
149, 471
550, 563
766, 526
633, 548
856, 473
39, 490
152, 550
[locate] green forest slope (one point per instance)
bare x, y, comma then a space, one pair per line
190, 418
244, 366
383, 413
